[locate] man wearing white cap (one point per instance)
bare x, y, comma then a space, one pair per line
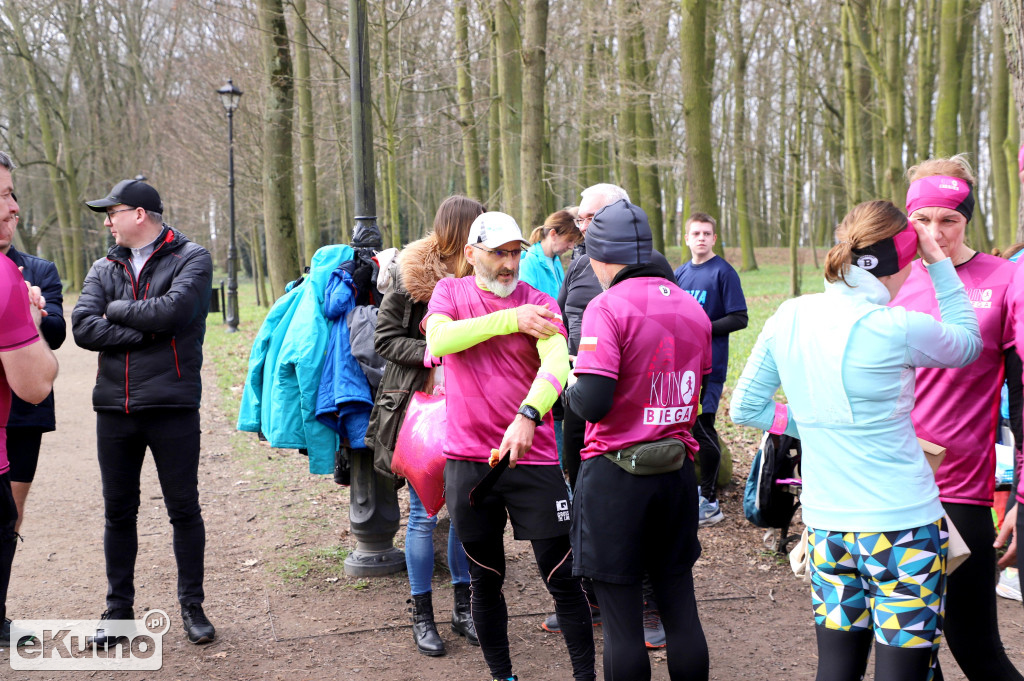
506, 362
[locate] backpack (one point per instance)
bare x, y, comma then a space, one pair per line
765, 503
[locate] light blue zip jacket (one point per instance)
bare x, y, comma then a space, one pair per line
541, 272
846, 363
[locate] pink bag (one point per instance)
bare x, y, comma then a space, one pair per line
419, 451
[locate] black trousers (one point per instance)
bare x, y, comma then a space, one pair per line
573, 428
971, 624
710, 454
8, 539
172, 435
490, 614
622, 606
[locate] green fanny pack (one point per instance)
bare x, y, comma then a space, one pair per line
650, 458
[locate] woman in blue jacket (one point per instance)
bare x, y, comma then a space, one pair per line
876, 532
540, 266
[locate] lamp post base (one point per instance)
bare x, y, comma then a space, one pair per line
370, 563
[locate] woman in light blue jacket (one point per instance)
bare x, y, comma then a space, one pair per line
877, 536
540, 266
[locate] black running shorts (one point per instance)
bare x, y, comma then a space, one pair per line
535, 498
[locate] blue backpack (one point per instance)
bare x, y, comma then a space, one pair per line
766, 503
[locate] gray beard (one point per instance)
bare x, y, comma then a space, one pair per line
499, 289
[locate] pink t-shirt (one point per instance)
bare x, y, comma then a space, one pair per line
486, 383
959, 408
655, 340
17, 330
1016, 302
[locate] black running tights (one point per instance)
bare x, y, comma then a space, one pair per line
490, 615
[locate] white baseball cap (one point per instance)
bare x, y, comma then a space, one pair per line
493, 229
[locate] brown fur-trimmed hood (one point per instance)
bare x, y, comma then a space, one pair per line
420, 268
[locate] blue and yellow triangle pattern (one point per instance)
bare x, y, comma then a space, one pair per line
892, 582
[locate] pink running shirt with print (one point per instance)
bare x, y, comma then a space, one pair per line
959, 408
655, 340
17, 330
486, 383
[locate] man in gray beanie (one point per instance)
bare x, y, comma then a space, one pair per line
645, 345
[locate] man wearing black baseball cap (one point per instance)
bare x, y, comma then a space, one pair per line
144, 306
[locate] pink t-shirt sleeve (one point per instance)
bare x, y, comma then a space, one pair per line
16, 326
441, 301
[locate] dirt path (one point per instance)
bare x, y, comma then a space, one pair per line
284, 609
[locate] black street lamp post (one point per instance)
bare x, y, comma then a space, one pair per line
229, 97
373, 508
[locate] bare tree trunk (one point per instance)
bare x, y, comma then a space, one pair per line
494, 184
507, 14
626, 123
999, 110
924, 28
392, 234
467, 121
531, 168
648, 173
696, 77
948, 101
278, 191
748, 262
307, 150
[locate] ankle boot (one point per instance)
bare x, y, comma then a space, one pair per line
424, 631
462, 617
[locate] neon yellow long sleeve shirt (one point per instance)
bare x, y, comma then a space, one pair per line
446, 336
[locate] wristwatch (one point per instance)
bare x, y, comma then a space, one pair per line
531, 413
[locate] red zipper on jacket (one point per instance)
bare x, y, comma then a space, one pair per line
174, 348
135, 294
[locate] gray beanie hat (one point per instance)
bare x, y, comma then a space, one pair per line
620, 234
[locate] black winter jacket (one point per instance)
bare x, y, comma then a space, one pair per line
41, 273
149, 332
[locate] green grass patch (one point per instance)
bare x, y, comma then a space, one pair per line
320, 563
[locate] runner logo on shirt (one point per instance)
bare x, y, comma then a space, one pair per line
664, 290
670, 397
980, 298
562, 510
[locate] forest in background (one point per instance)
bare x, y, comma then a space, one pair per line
774, 116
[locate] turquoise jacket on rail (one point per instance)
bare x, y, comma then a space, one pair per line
285, 364
846, 363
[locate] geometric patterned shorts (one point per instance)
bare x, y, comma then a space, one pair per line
893, 582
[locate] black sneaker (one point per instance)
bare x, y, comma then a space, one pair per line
24, 637
550, 624
197, 627
104, 640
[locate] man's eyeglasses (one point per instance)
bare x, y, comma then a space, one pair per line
501, 253
111, 213
582, 222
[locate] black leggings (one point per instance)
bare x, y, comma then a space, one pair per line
490, 615
622, 611
710, 454
573, 427
843, 656
8, 539
971, 625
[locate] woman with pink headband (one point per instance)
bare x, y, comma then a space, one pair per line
959, 409
876, 534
